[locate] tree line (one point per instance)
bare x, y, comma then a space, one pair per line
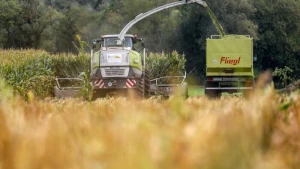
52, 25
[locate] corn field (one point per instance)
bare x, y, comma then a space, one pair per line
260, 131
162, 64
35, 70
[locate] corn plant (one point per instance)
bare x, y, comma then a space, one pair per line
284, 75
35, 70
87, 89
162, 64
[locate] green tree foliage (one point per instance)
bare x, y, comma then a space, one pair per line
24, 24
35, 70
278, 42
9, 11
52, 25
284, 75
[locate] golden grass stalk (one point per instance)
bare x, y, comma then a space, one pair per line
117, 133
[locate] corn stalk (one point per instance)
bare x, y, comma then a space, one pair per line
87, 90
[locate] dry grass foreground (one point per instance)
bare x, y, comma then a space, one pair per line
121, 133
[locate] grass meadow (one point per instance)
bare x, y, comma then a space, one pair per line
260, 131
196, 91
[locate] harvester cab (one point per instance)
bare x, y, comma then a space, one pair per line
111, 41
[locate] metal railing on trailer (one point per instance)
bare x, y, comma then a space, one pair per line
167, 85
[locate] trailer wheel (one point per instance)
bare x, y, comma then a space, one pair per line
212, 93
97, 94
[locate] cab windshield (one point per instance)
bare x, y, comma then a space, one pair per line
109, 42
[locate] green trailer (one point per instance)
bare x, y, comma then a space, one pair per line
229, 64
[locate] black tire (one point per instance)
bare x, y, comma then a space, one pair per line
97, 94
143, 87
215, 94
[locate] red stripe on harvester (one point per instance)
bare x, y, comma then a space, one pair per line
101, 86
130, 82
134, 81
98, 83
128, 85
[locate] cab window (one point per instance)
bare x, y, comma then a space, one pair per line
112, 42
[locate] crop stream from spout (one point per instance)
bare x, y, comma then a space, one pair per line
215, 21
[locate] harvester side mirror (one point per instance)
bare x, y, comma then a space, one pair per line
141, 40
143, 44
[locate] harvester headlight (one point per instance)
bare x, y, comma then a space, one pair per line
103, 59
125, 58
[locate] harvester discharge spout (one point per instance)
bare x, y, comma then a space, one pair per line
203, 3
153, 11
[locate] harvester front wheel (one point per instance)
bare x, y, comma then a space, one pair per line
144, 85
213, 94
